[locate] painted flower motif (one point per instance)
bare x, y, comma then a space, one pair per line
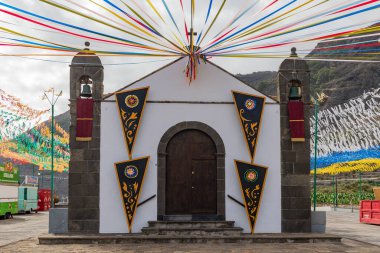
250, 104
251, 176
132, 101
131, 172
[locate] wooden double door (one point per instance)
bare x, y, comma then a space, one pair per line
191, 174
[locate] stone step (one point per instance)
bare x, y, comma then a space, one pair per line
191, 224
193, 231
139, 238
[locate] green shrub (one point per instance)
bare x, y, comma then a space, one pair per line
343, 198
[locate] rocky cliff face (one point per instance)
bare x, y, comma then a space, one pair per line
341, 81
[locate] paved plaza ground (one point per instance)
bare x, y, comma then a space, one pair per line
20, 235
346, 224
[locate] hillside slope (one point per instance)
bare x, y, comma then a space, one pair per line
340, 81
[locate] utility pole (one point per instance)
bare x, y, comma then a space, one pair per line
52, 101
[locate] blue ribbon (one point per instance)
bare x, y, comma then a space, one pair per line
300, 29
208, 15
170, 14
121, 10
252, 24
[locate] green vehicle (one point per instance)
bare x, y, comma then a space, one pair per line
27, 199
9, 184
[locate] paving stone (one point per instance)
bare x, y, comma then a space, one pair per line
31, 246
20, 235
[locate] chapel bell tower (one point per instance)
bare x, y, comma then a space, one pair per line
294, 95
86, 92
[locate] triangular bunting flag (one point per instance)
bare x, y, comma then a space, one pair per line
250, 110
252, 181
131, 178
131, 107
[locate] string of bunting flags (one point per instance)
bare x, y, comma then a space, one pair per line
169, 29
25, 139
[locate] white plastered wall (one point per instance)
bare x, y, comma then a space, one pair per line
170, 84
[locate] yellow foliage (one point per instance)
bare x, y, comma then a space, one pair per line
365, 165
45, 131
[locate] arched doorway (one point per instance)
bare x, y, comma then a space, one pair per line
191, 173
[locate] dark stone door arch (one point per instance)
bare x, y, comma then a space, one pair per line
179, 130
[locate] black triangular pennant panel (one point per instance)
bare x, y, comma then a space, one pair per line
250, 110
131, 177
252, 181
131, 107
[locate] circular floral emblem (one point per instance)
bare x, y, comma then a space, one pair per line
250, 176
250, 104
131, 171
132, 101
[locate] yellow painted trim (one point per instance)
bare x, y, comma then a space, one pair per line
130, 152
296, 120
83, 138
298, 139
85, 119
138, 195
242, 126
242, 192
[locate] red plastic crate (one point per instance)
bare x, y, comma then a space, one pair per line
376, 205
370, 211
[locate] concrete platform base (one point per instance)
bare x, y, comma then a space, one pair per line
58, 220
140, 238
318, 222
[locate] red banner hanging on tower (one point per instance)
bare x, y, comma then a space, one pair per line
85, 108
296, 121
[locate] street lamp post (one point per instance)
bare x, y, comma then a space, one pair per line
52, 101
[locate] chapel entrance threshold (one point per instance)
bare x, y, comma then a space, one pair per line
192, 218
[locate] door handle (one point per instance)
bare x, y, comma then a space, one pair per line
192, 187
192, 172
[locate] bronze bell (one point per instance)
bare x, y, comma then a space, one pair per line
86, 91
295, 93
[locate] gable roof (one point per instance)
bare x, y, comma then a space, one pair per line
177, 60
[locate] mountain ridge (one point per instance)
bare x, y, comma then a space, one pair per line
339, 81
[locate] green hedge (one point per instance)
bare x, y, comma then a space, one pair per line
343, 198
